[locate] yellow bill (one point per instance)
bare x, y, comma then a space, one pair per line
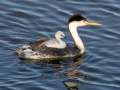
92, 23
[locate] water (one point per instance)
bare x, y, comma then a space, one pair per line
22, 21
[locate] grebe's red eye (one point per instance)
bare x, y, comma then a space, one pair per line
84, 21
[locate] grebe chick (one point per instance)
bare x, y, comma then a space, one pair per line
56, 42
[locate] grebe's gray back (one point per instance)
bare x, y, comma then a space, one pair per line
29, 51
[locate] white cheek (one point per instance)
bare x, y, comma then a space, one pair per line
81, 23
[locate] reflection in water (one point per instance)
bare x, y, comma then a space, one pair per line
67, 68
72, 85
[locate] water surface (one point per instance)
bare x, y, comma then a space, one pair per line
22, 21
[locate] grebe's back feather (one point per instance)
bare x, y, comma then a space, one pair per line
38, 43
31, 52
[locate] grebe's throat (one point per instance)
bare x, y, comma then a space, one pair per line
73, 30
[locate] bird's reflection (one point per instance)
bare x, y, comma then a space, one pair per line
72, 85
67, 68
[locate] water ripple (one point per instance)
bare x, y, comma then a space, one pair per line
27, 20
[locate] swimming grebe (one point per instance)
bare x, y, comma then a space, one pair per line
33, 52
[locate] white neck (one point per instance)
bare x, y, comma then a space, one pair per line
78, 42
62, 44
59, 40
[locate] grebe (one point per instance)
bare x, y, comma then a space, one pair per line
31, 51
53, 43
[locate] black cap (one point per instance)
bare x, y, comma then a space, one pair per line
76, 17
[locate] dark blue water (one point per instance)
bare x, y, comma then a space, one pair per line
22, 21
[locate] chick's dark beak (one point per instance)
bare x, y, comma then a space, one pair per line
65, 36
